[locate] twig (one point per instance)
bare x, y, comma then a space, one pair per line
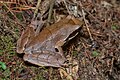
52, 2
9, 10
12, 14
37, 7
86, 22
66, 6
92, 16
6, 2
11, 31
111, 67
24, 8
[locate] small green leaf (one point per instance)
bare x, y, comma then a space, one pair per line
6, 73
2, 65
11, 52
114, 27
95, 53
74, 53
16, 30
1, 51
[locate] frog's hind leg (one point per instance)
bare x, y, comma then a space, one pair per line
25, 37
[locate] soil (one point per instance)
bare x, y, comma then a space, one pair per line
96, 49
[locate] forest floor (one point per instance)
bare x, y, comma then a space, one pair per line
95, 53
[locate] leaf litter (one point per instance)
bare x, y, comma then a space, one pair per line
92, 55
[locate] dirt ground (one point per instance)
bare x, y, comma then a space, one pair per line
94, 53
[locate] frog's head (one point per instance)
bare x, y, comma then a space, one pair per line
45, 58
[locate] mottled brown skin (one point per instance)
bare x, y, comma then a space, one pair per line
39, 48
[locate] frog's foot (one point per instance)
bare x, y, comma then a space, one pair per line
45, 59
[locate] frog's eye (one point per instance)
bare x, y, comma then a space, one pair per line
56, 49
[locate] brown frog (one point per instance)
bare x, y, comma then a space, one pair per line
44, 48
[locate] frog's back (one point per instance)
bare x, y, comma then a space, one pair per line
47, 32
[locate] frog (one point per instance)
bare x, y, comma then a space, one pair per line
44, 48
